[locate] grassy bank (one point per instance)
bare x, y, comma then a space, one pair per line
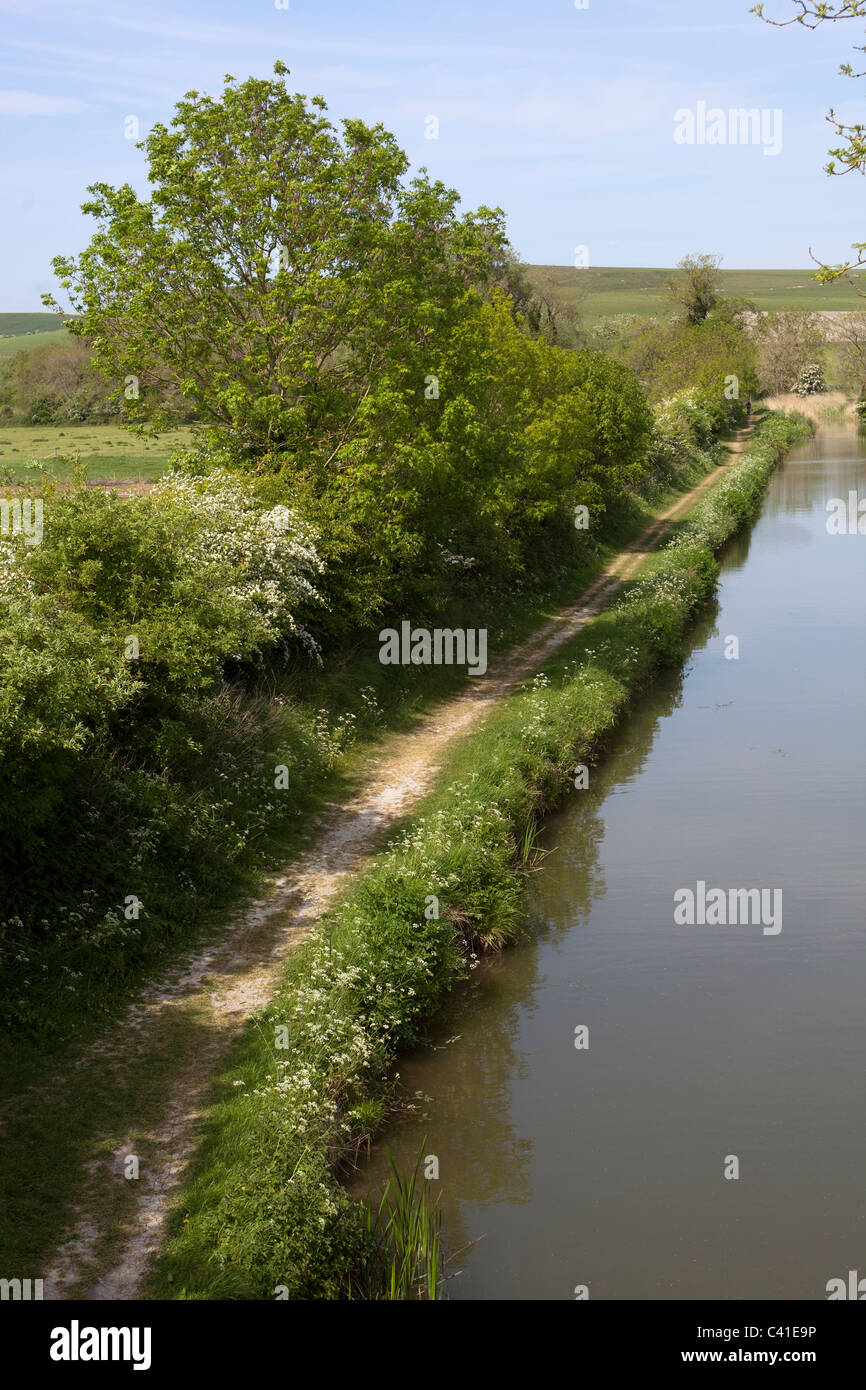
310, 1080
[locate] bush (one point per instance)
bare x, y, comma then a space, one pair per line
670, 358
42, 411
115, 632
810, 380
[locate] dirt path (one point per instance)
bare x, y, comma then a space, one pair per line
108, 1252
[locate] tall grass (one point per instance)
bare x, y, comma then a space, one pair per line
404, 1230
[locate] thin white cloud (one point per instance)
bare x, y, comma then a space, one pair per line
603, 109
19, 103
194, 31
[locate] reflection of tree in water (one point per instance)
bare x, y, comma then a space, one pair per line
573, 836
465, 1067
735, 553
825, 466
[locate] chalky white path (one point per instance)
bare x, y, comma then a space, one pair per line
235, 976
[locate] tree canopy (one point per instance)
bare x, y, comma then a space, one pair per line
695, 291
277, 269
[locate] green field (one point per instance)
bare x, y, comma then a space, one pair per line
23, 342
109, 451
12, 324
600, 291
18, 332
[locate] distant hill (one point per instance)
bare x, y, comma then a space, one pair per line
18, 332
13, 325
600, 291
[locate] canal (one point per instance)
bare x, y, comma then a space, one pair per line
649, 1109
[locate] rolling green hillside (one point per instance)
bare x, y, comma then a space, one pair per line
14, 324
600, 291
23, 342
18, 332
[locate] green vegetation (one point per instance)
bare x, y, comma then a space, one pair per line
387, 427
55, 382
403, 1257
603, 292
195, 834
265, 1207
105, 451
695, 291
24, 342
239, 280
368, 371
114, 633
172, 763
24, 325
715, 355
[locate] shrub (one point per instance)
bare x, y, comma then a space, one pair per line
810, 380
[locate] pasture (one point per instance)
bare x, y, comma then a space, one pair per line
110, 452
20, 332
602, 291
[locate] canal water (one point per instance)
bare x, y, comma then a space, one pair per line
713, 1050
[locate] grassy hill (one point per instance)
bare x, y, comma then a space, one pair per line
18, 332
12, 325
23, 342
599, 291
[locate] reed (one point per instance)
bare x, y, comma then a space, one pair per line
404, 1232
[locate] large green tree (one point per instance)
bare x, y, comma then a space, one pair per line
278, 269
695, 291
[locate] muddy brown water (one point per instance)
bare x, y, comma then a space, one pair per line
605, 1166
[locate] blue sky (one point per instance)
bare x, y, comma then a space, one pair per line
562, 116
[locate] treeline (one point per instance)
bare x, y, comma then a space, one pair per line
57, 383
381, 435
727, 346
